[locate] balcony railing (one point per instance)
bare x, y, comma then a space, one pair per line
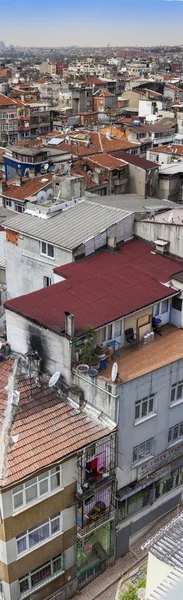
97, 507
96, 464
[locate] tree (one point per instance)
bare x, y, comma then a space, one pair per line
130, 594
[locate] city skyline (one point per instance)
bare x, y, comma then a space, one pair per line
125, 22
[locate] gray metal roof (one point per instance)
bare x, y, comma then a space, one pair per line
70, 228
2, 244
132, 202
167, 544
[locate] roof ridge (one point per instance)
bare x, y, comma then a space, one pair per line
7, 421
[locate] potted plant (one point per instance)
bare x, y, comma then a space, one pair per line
88, 355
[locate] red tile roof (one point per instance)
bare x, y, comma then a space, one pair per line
5, 101
28, 188
100, 289
136, 160
107, 161
48, 428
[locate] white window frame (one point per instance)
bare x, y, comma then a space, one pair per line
46, 476
45, 581
46, 253
174, 393
139, 451
26, 534
140, 403
161, 314
172, 438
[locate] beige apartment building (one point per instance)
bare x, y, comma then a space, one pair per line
40, 436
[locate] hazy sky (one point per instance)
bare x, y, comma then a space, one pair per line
96, 22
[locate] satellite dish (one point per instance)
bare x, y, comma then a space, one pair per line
53, 380
41, 197
114, 372
46, 166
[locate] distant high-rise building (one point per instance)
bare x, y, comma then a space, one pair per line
2, 45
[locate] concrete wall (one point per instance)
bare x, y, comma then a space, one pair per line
157, 571
54, 350
135, 526
137, 180
131, 321
169, 187
150, 231
26, 267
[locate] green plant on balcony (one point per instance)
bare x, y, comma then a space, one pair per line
88, 355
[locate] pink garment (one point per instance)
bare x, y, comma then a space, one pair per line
100, 461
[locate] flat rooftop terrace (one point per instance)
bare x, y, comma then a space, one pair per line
134, 363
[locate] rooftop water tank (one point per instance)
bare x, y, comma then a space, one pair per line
137, 123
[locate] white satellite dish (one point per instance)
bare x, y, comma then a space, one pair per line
53, 380
46, 166
41, 197
114, 372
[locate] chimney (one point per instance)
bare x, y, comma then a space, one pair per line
111, 243
69, 324
19, 180
4, 186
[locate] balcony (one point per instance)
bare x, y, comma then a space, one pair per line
96, 465
96, 509
156, 354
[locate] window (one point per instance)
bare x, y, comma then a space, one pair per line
40, 577
175, 433
34, 536
8, 203
47, 249
177, 303
37, 487
144, 407
164, 306
19, 208
117, 328
141, 451
46, 281
177, 392
157, 309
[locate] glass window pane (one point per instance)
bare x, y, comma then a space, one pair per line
50, 250
31, 493
164, 306
41, 575
103, 334
43, 248
24, 585
117, 329
175, 432
144, 408
157, 309
141, 452
148, 447
181, 430
172, 399
43, 487
151, 405
134, 454
55, 478
170, 435
109, 332
137, 411
38, 535
18, 500
179, 391
56, 564
55, 525
21, 543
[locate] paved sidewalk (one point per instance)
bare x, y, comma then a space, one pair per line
98, 588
